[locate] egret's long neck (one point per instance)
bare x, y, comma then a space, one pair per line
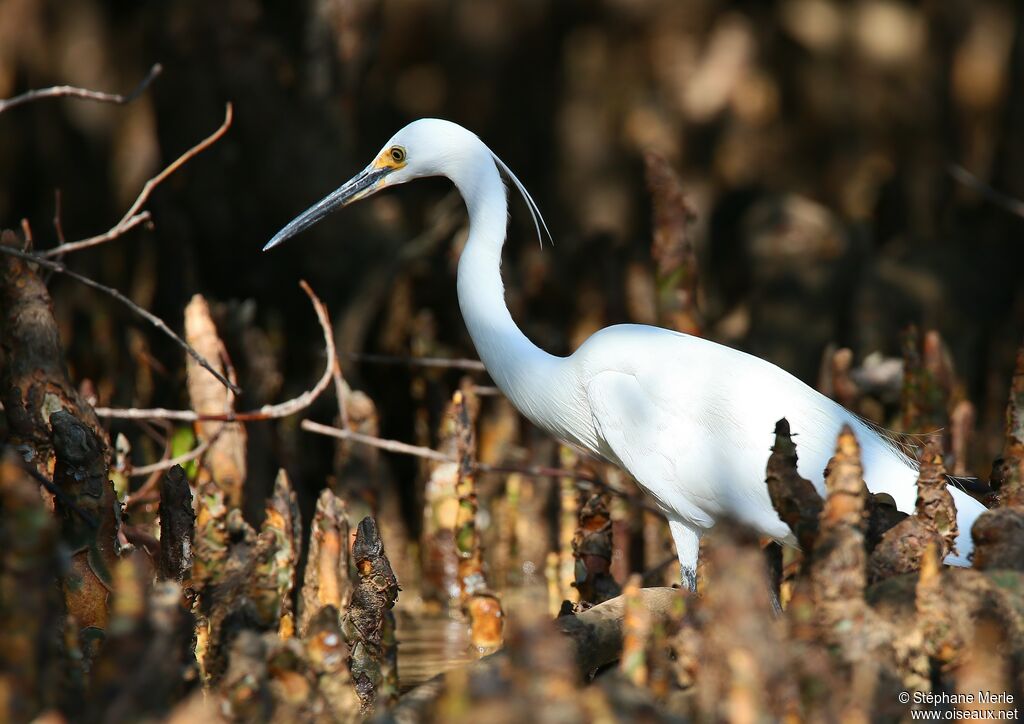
520, 368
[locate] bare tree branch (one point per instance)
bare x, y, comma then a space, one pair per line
70, 91
147, 492
394, 446
145, 314
119, 229
169, 463
135, 215
184, 158
404, 448
585, 478
457, 364
267, 412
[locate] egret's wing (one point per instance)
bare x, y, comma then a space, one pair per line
680, 437
643, 438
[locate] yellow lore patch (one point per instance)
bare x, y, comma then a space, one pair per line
393, 158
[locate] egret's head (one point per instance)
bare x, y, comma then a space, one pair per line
427, 147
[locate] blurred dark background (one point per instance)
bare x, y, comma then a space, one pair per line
814, 139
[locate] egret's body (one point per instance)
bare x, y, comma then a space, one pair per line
690, 419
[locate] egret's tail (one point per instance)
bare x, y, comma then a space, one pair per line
888, 468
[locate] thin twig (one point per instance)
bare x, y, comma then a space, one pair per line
1007, 203
145, 314
267, 412
383, 359
146, 492
536, 471
184, 158
404, 448
157, 413
394, 446
69, 91
119, 229
135, 215
171, 462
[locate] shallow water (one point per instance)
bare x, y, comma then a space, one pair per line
428, 645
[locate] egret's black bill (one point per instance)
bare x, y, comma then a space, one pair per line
362, 185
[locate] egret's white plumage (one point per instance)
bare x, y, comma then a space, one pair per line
690, 419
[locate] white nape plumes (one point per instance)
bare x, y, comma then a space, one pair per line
693, 421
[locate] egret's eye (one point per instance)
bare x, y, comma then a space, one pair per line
397, 154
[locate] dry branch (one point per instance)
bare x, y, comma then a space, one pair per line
267, 412
70, 91
110, 291
121, 228
135, 215
394, 446
169, 463
470, 365
534, 471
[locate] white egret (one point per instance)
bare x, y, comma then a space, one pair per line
690, 419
